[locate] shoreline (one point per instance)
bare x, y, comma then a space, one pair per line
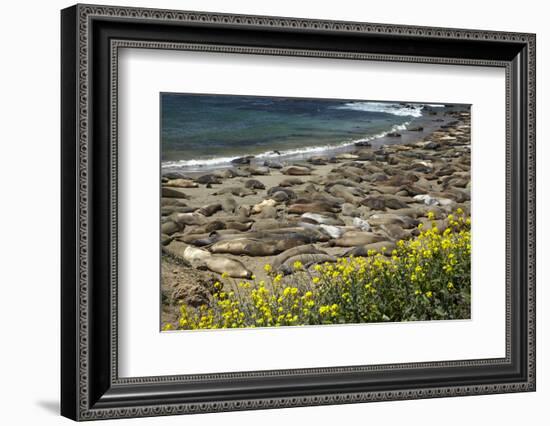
429, 122
328, 205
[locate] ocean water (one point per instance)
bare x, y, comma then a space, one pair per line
200, 131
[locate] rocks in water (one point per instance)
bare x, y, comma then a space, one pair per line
394, 135
416, 129
363, 144
254, 184
242, 160
296, 171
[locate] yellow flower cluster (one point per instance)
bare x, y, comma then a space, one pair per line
422, 279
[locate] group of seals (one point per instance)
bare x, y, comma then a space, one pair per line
316, 210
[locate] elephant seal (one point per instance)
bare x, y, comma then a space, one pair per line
170, 227
239, 226
384, 247
260, 206
315, 207
295, 251
254, 184
279, 196
176, 249
231, 267
229, 205
296, 171
332, 231
209, 227
259, 247
182, 183
268, 212
362, 224
209, 179
291, 182
193, 254
210, 209
289, 192
235, 190
349, 194
165, 239
244, 246
172, 192
389, 218
188, 218
356, 238
258, 170
322, 219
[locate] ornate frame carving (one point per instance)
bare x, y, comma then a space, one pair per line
83, 401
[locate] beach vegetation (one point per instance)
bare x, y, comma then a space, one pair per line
426, 278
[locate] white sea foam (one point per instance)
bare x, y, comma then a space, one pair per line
402, 110
216, 162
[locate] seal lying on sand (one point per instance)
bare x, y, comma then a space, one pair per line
231, 267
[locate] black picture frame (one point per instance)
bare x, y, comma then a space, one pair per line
90, 386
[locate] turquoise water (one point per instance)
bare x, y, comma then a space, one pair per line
202, 130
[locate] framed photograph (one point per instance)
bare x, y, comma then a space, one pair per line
263, 212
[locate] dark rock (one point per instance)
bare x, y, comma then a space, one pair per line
242, 160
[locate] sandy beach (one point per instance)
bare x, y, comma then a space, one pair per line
311, 209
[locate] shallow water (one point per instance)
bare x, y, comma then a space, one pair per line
199, 131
